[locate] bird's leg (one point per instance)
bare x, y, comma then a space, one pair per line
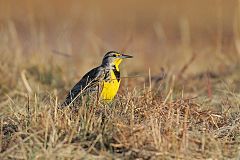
98, 96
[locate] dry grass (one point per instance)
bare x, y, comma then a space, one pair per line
160, 120
188, 110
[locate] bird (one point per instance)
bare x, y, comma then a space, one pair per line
103, 80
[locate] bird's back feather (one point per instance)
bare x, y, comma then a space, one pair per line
89, 82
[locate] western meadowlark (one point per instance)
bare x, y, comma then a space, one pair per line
104, 79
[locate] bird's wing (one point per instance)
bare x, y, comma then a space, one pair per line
88, 81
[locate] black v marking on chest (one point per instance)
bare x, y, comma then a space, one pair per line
117, 73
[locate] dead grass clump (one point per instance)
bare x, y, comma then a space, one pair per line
137, 125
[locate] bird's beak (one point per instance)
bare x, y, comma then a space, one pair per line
123, 56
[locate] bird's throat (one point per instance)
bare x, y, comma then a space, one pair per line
117, 62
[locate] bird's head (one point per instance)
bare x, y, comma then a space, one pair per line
114, 58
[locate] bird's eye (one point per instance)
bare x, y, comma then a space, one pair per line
114, 55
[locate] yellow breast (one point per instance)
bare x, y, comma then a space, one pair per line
110, 88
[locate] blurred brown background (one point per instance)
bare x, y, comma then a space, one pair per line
158, 33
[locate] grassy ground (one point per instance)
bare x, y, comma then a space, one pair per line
168, 117
179, 97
